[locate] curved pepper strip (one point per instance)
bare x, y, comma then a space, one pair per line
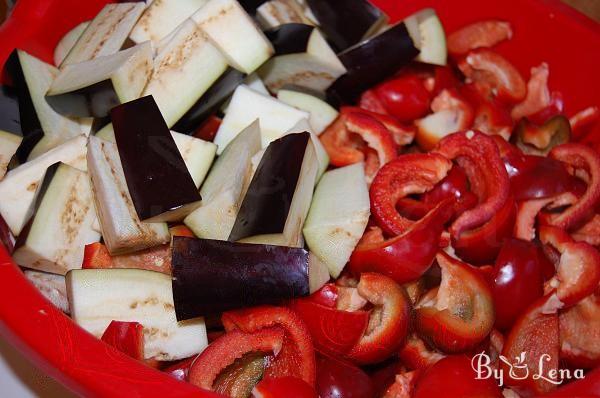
580, 333
582, 121
417, 355
459, 314
478, 34
406, 257
578, 272
528, 210
388, 321
127, 337
538, 94
577, 156
231, 346
297, 355
486, 172
589, 232
405, 175
403, 386
402, 135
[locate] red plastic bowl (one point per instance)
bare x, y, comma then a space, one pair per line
545, 30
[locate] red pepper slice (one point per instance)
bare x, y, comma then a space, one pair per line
403, 386
538, 94
444, 78
337, 379
589, 232
370, 101
556, 107
582, 121
231, 346
287, 386
478, 34
587, 387
388, 321
528, 210
580, 157
405, 175
127, 337
459, 314
478, 154
417, 355
208, 130
580, 333
296, 357
493, 118
157, 258
404, 97
406, 257
180, 370
402, 134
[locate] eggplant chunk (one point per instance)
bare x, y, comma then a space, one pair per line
158, 180
320, 152
51, 286
122, 229
234, 32
429, 37
99, 296
67, 42
211, 276
321, 113
9, 143
62, 225
275, 13
107, 32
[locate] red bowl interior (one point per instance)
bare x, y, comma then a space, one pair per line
545, 30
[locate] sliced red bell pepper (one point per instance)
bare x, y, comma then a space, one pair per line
528, 210
459, 314
479, 34
582, 121
417, 355
208, 130
538, 94
369, 101
297, 355
402, 134
580, 333
587, 387
556, 107
403, 386
286, 386
579, 157
127, 337
388, 321
234, 345
413, 173
157, 258
493, 118
180, 370
478, 154
589, 232
337, 378
404, 97
406, 257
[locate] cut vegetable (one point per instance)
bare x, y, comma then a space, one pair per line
246, 106
197, 154
322, 156
338, 216
279, 195
371, 62
158, 180
318, 273
234, 33
303, 58
212, 276
67, 42
9, 143
19, 186
347, 22
321, 113
98, 297
161, 17
52, 286
62, 225
253, 82
223, 190
107, 32
122, 229
274, 13
428, 35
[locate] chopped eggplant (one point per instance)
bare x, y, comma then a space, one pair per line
347, 22
234, 32
371, 62
6, 236
197, 154
318, 273
321, 153
279, 195
223, 190
52, 286
338, 216
303, 58
19, 186
158, 180
321, 113
250, 6
122, 229
210, 102
212, 276
9, 143
107, 32
10, 117
253, 82
428, 35
275, 13
62, 225
246, 106
161, 17
99, 296
67, 42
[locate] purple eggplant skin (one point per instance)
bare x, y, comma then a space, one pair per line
10, 120
251, 5
345, 22
212, 276
92, 101
6, 237
267, 202
210, 102
371, 62
156, 175
290, 38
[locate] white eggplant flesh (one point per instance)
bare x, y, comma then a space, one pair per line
274, 13
107, 32
321, 113
161, 17
9, 143
19, 187
51, 286
338, 216
234, 32
247, 105
427, 32
62, 225
197, 154
184, 69
68, 41
435, 126
318, 273
122, 229
223, 189
253, 82
99, 296
321, 153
